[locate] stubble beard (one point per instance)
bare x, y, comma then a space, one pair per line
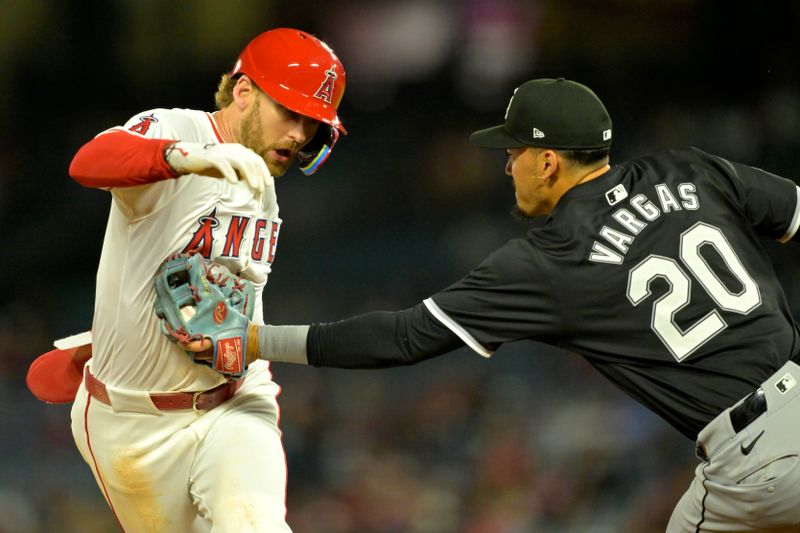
516, 211
518, 214
251, 131
521, 216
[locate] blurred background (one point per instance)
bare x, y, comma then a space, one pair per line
532, 440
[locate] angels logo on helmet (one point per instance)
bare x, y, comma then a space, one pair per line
325, 91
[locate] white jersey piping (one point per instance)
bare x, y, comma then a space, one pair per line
453, 326
795, 223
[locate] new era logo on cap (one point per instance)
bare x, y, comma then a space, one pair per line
537, 133
606, 135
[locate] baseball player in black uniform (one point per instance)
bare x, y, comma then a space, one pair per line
653, 271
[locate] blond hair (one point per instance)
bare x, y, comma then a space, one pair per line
224, 95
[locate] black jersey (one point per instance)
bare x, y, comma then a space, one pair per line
654, 272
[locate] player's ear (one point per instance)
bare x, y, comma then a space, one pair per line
545, 163
243, 92
548, 163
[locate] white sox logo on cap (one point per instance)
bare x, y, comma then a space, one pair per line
325, 91
509, 103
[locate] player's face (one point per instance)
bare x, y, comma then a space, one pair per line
529, 190
275, 133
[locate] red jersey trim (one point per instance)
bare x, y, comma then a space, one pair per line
94, 459
214, 127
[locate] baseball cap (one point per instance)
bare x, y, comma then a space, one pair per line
550, 113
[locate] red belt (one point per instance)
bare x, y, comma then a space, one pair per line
169, 401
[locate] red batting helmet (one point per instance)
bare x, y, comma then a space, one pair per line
301, 73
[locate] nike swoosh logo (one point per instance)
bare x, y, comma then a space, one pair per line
749, 448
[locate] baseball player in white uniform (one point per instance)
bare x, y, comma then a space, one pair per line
173, 445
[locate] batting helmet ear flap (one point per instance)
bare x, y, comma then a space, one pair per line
318, 149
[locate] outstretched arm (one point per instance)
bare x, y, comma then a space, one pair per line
373, 340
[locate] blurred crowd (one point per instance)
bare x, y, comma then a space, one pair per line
532, 440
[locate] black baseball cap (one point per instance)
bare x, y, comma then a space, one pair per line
550, 113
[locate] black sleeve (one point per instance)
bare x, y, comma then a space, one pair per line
379, 340
771, 203
509, 297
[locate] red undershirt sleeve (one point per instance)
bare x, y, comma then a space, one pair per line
121, 159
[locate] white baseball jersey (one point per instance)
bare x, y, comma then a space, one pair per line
179, 470
226, 222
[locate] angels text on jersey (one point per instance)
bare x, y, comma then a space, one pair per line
259, 235
639, 212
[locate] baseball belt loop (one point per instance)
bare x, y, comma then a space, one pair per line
195, 397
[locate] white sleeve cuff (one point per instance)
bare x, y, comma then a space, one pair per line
795, 223
451, 324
